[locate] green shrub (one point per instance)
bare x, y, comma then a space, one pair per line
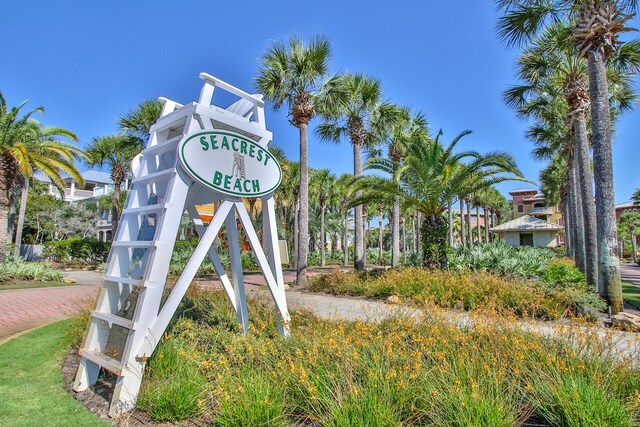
17, 269
499, 258
77, 250
174, 387
257, 401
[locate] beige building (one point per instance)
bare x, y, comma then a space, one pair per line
528, 230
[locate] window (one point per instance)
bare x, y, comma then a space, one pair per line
520, 208
526, 239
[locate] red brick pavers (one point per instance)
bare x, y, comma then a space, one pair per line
23, 309
630, 273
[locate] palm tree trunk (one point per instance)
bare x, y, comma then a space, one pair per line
4, 212
380, 238
469, 229
478, 224
395, 240
487, 219
359, 230
578, 218
585, 180
115, 209
634, 253
323, 243
345, 244
463, 235
450, 218
296, 234
21, 213
609, 268
303, 227
568, 241
413, 230
403, 226
419, 234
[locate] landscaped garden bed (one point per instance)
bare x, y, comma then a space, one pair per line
399, 372
18, 274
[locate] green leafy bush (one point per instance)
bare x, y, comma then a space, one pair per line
499, 258
17, 269
77, 250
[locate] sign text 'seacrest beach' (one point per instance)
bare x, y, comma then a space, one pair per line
230, 163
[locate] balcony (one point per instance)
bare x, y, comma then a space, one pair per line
77, 194
544, 210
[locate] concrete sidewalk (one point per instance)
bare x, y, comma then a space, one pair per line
630, 273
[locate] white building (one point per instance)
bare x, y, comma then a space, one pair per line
528, 230
96, 185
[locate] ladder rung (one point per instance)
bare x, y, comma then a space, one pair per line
157, 208
124, 280
134, 244
162, 147
156, 176
111, 318
108, 363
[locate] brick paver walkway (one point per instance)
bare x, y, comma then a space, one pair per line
23, 309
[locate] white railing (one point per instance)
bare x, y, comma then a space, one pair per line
544, 210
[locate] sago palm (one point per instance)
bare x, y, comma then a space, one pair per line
292, 74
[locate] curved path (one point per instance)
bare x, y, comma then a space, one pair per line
630, 273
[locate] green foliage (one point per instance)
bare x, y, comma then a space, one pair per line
500, 258
434, 242
468, 291
403, 371
182, 396
257, 402
17, 269
77, 250
183, 250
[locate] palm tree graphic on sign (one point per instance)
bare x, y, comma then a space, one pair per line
238, 166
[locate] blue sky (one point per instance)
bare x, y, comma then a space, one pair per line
89, 62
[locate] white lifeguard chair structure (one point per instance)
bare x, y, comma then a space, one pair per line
129, 321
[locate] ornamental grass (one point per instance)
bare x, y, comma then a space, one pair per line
467, 291
400, 372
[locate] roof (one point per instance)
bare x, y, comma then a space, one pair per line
96, 176
40, 176
627, 205
527, 223
523, 190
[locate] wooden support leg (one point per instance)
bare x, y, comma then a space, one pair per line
236, 271
87, 375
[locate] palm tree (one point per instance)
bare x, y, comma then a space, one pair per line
352, 107
137, 123
636, 196
293, 74
114, 152
26, 146
596, 26
343, 197
629, 222
428, 179
322, 184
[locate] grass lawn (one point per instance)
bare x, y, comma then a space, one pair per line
27, 285
31, 387
631, 294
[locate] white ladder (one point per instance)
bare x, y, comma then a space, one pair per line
128, 321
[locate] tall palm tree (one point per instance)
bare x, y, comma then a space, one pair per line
26, 146
404, 128
322, 185
636, 196
352, 107
342, 191
114, 152
596, 26
293, 74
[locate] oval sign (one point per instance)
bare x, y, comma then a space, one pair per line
230, 163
